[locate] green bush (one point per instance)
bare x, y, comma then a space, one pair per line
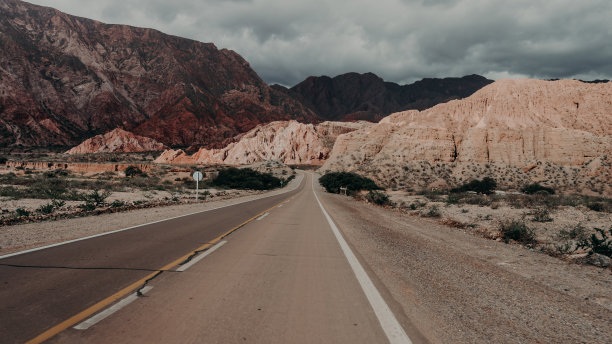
379, 198
434, 211
3, 160
246, 179
596, 206
601, 244
22, 212
485, 186
333, 181
541, 214
537, 188
132, 171
117, 204
46, 208
96, 197
518, 231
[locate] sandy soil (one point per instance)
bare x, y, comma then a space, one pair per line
26, 236
461, 288
486, 220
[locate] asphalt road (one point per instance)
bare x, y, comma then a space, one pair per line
284, 277
43, 288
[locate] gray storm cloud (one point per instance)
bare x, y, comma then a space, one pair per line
400, 40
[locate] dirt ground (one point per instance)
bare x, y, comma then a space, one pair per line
456, 287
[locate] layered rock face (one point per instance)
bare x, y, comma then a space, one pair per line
287, 141
64, 79
117, 140
355, 96
512, 122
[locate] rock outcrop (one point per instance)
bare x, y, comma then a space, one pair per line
354, 96
117, 140
287, 141
513, 122
64, 79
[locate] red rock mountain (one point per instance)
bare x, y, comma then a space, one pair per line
354, 96
117, 140
64, 79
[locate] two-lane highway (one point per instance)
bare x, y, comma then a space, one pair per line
43, 288
287, 276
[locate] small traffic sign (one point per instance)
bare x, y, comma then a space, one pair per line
197, 176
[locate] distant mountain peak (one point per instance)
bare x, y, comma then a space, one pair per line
354, 96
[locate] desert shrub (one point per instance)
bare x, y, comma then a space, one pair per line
454, 198
417, 204
58, 203
332, 182
379, 198
485, 186
3, 160
481, 200
132, 171
22, 212
541, 214
577, 232
245, 179
88, 206
433, 211
46, 208
96, 197
596, 206
518, 231
117, 204
599, 242
537, 188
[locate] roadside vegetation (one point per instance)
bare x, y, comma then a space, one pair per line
574, 227
333, 181
28, 195
246, 179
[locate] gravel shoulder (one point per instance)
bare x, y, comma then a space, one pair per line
459, 288
31, 235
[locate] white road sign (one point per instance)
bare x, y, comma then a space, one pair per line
197, 176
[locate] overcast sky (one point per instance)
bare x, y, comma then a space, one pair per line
400, 40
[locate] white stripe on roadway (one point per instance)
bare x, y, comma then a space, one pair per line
262, 216
141, 225
109, 311
200, 257
394, 331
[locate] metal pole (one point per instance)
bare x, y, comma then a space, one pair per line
197, 187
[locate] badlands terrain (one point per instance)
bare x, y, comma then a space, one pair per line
488, 219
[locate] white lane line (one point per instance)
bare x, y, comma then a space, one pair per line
200, 256
394, 331
262, 216
141, 225
109, 311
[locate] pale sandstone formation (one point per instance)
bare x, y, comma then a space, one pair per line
117, 140
287, 141
514, 122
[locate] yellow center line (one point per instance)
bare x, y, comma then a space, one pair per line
118, 295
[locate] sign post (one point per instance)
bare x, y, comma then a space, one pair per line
197, 176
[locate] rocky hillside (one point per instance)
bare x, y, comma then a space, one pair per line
117, 140
64, 79
289, 142
355, 96
510, 122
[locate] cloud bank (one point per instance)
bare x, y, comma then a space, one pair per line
400, 40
